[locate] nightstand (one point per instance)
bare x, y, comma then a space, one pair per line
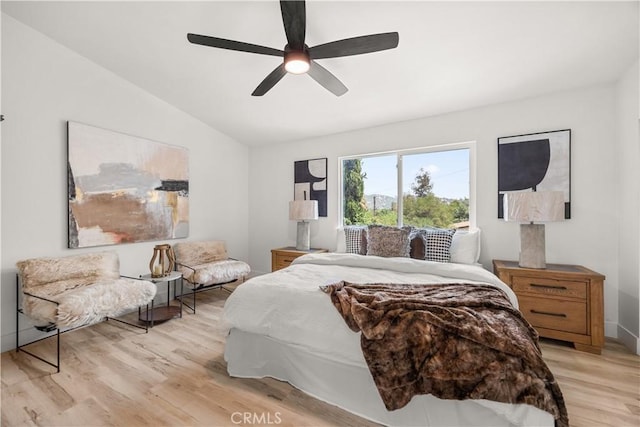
282, 257
564, 302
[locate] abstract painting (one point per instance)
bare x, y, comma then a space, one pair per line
310, 182
535, 162
124, 189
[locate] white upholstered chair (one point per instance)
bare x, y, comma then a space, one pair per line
206, 265
73, 291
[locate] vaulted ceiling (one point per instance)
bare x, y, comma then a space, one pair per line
451, 56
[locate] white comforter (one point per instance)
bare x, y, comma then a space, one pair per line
289, 306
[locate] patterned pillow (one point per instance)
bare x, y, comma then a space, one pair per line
356, 240
388, 241
437, 243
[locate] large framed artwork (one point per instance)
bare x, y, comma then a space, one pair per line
310, 182
535, 162
124, 189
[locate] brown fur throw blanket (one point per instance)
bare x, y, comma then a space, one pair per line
454, 341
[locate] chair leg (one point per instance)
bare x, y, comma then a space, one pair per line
19, 347
17, 314
201, 288
135, 325
55, 365
58, 348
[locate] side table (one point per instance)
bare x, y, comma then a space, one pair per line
163, 312
563, 302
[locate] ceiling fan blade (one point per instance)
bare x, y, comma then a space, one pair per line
294, 20
355, 46
270, 81
326, 79
232, 45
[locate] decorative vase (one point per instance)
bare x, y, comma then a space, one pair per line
162, 261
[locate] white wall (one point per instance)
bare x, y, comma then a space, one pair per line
585, 239
627, 114
45, 84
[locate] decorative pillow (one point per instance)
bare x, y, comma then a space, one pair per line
355, 240
388, 241
437, 243
417, 244
465, 246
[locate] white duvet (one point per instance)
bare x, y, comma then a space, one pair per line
289, 306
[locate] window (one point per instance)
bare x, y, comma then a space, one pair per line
431, 186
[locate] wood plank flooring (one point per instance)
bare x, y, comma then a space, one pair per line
175, 375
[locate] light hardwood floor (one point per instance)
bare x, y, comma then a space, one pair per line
176, 376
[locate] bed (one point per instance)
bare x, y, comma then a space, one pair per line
282, 325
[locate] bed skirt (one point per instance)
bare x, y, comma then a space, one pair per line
350, 386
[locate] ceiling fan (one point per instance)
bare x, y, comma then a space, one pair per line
300, 58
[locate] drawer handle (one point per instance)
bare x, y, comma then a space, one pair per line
547, 313
535, 285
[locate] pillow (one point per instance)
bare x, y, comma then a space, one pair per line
437, 242
387, 241
355, 238
465, 246
417, 244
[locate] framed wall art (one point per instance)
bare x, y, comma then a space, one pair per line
124, 189
535, 162
310, 182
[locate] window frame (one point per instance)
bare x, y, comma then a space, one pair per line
470, 145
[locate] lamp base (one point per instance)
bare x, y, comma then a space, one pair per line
532, 246
303, 237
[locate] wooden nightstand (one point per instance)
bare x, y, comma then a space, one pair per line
282, 257
563, 302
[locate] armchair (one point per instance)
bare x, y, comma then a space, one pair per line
206, 265
74, 291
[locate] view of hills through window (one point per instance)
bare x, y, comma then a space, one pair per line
434, 189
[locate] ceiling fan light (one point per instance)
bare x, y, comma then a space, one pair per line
296, 62
297, 66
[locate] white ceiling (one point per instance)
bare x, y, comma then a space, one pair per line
452, 56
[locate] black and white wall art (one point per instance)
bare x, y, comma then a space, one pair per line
310, 182
535, 162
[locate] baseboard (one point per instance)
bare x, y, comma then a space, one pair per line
611, 329
629, 340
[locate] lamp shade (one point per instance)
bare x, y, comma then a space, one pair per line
303, 210
534, 206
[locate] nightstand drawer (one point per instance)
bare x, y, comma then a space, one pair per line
284, 260
283, 257
283, 263
550, 287
569, 316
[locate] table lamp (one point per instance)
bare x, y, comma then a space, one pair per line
303, 211
528, 207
